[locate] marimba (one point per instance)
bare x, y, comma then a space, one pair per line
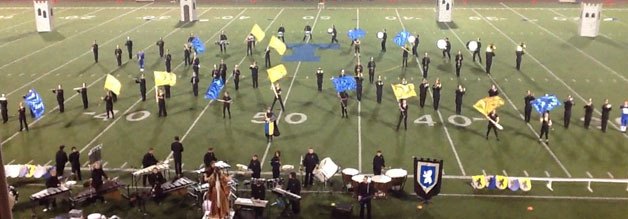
179, 186
110, 190
51, 193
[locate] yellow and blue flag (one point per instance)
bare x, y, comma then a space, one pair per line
165, 78
488, 104
403, 91
276, 73
112, 84
258, 33
278, 45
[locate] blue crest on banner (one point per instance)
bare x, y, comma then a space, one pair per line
428, 176
35, 103
344, 83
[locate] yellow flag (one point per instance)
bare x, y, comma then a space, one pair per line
277, 44
403, 91
488, 104
165, 78
479, 181
276, 73
525, 184
501, 181
258, 33
112, 84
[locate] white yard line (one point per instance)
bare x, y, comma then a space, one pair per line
503, 92
294, 77
74, 59
357, 11
546, 69
569, 44
440, 116
58, 25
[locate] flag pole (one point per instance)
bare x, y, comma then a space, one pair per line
5, 210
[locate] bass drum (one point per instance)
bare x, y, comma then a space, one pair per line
380, 35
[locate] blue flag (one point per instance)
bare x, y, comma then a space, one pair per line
34, 103
545, 103
213, 91
356, 33
198, 45
344, 83
401, 38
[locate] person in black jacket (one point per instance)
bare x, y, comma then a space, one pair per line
310, 162
196, 64
226, 104
161, 102
319, 79
425, 63
98, 178
404, 57
4, 108
447, 50
156, 179
256, 167
118, 53
60, 98
177, 149
83, 91
223, 71
528, 105
129, 46
236, 77
147, 161
415, 45
294, 186
366, 190
344, 101
187, 54
567, 115
209, 157
254, 69
267, 57
459, 59
194, 81
334, 34
588, 113
142, 82
436, 93
476, 52
490, 52
21, 110
384, 37
378, 163
168, 61
459, 94
606, 110
379, 88
258, 192
371, 66
277, 96
75, 163
51, 182
423, 92
275, 162
61, 159
403, 114
160, 45
95, 51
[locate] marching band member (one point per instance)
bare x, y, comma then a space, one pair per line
275, 162
21, 110
425, 63
156, 179
4, 108
436, 93
415, 45
459, 59
624, 116
161, 102
160, 45
490, 52
254, 69
269, 117
307, 32
267, 57
142, 82
209, 157
168, 61
384, 37
83, 91
356, 47
51, 182
319, 79
294, 186
459, 93
334, 34
177, 153
310, 161
236, 76
280, 33
567, 115
378, 163
250, 43
95, 51
403, 116
129, 47
546, 123
423, 92
344, 100
61, 158
256, 167
379, 85
98, 177
358, 80
75, 163
147, 161
528, 105
118, 53
187, 52
404, 57
606, 110
366, 190
519, 52
258, 192
277, 90
222, 42
447, 50
491, 124
476, 52
371, 66
588, 113
222, 67
194, 80
60, 98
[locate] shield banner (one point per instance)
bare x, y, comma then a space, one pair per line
427, 177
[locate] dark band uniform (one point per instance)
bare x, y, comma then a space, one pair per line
365, 194
147, 161
528, 106
423, 93
256, 167
567, 115
378, 164
310, 161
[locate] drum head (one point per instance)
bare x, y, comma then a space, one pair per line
441, 44
308, 32
280, 34
94, 216
359, 178
411, 39
381, 179
380, 35
396, 173
350, 171
330, 30
472, 45
287, 167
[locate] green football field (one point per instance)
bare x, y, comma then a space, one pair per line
558, 62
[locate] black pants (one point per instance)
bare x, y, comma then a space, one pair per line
276, 173
458, 108
187, 60
371, 75
249, 50
379, 96
333, 39
383, 45
167, 91
422, 100
267, 61
223, 48
5, 116
255, 84
162, 109
489, 63
377, 171
491, 126
59, 168
76, 170
130, 50
319, 84
195, 69
61, 106
143, 94
604, 123
458, 67
358, 93
447, 53
306, 35
85, 102
119, 60
278, 97
566, 119
161, 51
402, 116
110, 110
587, 121
544, 131
296, 206
195, 89
477, 53
177, 166
356, 50
23, 123
365, 205
527, 112
226, 108
436, 102
343, 108
309, 177
425, 69
236, 82
404, 61
414, 52
96, 57
168, 67
518, 61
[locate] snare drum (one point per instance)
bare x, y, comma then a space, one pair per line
347, 173
397, 178
307, 32
382, 185
287, 168
280, 34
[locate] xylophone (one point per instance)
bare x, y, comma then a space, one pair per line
178, 186
109, 189
51, 193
